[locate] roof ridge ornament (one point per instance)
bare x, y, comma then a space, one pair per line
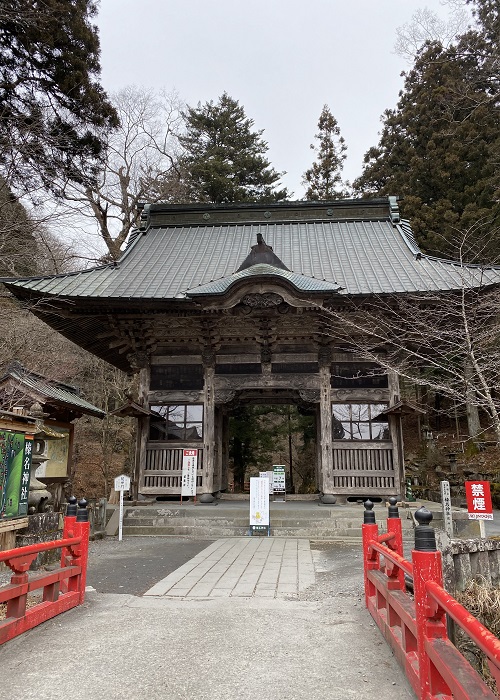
394, 214
145, 216
261, 254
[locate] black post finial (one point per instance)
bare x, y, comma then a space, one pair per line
425, 536
392, 511
368, 515
82, 514
71, 507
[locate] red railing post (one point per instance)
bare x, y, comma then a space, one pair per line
68, 531
81, 552
370, 556
395, 527
82, 520
430, 619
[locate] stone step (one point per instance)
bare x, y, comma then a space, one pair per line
212, 522
216, 533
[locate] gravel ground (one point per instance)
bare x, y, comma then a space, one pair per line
339, 573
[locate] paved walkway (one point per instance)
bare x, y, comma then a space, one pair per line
262, 567
238, 621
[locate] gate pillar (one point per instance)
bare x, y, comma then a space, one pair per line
325, 431
209, 451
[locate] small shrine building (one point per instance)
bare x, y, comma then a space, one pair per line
219, 305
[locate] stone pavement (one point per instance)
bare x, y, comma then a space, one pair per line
262, 567
236, 622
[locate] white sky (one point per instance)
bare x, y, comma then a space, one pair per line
281, 59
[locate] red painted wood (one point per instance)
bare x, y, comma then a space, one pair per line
416, 630
61, 589
370, 557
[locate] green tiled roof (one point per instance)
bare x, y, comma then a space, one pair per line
175, 260
55, 392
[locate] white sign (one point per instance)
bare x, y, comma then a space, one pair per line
270, 477
279, 478
189, 469
122, 483
259, 501
446, 502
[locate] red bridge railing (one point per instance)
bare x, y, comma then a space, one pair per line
62, 589
416, 628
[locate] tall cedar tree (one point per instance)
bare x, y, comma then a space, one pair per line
324, 178
225, 160
439, 148
52, 107
17, 243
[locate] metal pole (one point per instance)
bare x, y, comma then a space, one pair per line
120, 525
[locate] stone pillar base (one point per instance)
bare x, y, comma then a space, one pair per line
207, 498
327, 499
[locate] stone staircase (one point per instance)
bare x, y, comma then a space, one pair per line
289, 519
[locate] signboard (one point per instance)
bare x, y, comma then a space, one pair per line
279, 484
15, 463
269, 476
479, 500
189, 469
25, 476
259, 501
446, 502
58, 455
122, 483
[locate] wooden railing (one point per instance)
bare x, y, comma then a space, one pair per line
416, 628
363, 467
163, 468
62, 589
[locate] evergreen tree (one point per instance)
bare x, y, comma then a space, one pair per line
324, 178
18, 250
52, 108
225, 159
439, 148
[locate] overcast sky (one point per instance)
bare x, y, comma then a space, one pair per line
281, 59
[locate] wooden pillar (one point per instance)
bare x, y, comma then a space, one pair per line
325, 421
144, 374
209, 459
319, 478
218, 449
396, 430
224, 449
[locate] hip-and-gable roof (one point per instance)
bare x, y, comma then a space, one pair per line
351, 247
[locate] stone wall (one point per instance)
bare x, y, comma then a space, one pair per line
464, 560
42, 527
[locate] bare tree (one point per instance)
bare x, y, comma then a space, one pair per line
139, 156
108, 442
427, 26
447, 342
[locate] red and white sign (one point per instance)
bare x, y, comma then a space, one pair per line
189, 469
479, 500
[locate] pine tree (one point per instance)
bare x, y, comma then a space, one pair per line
439, 149
53, 111
225, 159
324, 178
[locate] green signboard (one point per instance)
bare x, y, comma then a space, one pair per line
15, 464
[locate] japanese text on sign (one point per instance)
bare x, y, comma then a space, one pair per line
259, 501
479, 500
122, 483
279, 478
189, 469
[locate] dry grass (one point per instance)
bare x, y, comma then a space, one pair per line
483, 601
